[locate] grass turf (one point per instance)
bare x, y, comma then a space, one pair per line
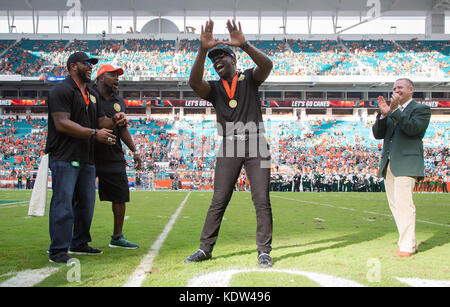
346, 235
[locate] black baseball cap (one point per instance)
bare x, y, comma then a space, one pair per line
220, 51
80, 56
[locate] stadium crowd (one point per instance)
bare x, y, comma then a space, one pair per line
323, 155
174, 58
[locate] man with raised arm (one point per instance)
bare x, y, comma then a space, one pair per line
239, 120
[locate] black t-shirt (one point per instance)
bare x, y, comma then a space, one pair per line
66, 97
246, 117
105, 153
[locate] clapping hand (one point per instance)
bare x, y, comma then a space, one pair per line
384, 107
395, 101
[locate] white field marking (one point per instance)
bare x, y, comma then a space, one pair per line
29, 278
8, 274
16, 202
416, 282
355, 210
222, 278
361, 196
14, 205
146, 264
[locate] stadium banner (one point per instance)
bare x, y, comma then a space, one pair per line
317, 104
22, 102
55, 79
435, 104
182, 103
137, 102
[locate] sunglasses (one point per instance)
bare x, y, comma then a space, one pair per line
87, 63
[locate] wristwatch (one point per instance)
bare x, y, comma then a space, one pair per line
93, 132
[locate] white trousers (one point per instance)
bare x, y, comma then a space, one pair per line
399, 192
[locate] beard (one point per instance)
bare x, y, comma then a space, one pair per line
83, 76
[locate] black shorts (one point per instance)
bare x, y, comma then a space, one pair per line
113, 183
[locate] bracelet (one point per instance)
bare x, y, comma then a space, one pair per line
244, 46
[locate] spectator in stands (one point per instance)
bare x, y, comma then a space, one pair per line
402, 125
292, 57
110, 162
341, 153
235, 103
444, 181
72, 122
19, 180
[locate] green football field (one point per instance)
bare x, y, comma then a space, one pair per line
319, 239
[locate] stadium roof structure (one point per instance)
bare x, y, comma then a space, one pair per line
366, 10
224, 8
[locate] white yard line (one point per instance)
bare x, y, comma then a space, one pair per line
14, 205
29, 278
146, 264
417, 282
351, 209
8, 274
223, 278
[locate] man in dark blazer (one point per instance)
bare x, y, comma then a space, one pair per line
402, 125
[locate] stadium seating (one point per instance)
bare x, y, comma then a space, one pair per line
191, 145
170, 58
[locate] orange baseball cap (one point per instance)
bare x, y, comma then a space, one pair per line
109, 68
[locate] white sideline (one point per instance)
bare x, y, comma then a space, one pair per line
14, 205
351, 209
417, 282
223, 278
29, 278
146, 264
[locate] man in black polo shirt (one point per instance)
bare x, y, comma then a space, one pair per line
72, 121
110, 162
239, 119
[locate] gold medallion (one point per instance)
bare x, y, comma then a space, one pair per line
232, 103
117, 107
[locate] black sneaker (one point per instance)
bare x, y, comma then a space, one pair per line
198, 256
61, 258
85, 250
264, 260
